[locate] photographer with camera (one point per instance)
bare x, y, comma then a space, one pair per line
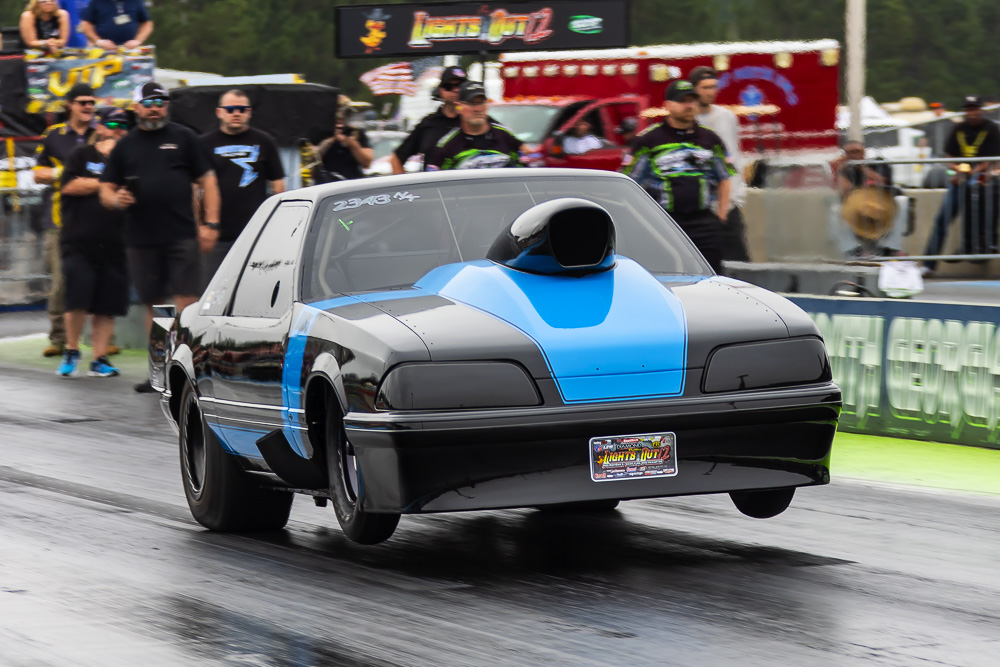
151, 175
347, 152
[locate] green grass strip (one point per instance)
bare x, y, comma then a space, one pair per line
917, 463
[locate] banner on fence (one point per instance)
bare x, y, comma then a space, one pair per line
920, 370
113, 76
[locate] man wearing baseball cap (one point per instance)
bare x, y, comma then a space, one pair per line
970, 184
149, 175
435, 125
58, 141
684, 167
93, 249
477, 143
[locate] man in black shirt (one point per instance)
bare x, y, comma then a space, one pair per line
684, 167
57, 143
247, 164
971, 189
429, 131
477, 143
347, 152
151, 173
93, 250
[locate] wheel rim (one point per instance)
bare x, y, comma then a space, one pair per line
193, 442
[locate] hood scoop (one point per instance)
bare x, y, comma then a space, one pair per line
567, 236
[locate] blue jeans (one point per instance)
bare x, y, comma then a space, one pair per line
942, 221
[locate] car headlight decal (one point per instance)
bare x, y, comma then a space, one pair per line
457, 385
767, 364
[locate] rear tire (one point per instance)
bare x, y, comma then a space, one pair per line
220, 494
762, 504
583, 507
347, 486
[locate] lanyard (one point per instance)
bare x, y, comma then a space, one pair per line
973, 150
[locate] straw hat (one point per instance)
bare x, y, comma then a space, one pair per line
869, 212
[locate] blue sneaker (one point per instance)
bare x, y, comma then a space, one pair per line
68, 365
100, 368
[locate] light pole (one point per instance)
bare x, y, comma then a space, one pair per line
856, 27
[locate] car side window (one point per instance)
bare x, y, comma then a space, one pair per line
266, 284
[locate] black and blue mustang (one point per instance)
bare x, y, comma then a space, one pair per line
456, 341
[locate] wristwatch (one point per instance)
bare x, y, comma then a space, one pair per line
214, 226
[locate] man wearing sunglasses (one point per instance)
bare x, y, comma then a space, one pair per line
435, 125
150, 175
57, 143
93, 250
478, 142
247, 165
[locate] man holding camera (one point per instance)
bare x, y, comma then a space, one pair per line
150, 174
347, 152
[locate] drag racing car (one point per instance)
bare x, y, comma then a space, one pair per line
542, 338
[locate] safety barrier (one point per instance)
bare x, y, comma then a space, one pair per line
919, 370
809, 219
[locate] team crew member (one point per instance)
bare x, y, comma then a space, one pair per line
150, 173
429, 131
477, 143
58, 142
723, 122
247, 164
683, 165
93, 250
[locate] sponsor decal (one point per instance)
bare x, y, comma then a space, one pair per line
493, 28
586, 25
51, 78
633, 457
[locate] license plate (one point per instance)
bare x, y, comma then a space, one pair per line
622, 457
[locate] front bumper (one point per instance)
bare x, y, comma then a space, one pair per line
490, 459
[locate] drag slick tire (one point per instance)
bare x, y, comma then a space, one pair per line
347, 486
583, 507
763, 504
221, 495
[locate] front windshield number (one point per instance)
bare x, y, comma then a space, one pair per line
374, 200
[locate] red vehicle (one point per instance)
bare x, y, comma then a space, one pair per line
785, 94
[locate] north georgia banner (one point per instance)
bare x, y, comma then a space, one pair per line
113, 76
414, 30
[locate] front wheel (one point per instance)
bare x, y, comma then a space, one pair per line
221, 495
347, 487
763, 504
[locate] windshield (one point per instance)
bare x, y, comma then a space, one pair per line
389, 238
528, 122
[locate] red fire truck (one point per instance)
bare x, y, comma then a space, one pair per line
785, 94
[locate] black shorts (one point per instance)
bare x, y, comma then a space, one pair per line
96, 283
163, 271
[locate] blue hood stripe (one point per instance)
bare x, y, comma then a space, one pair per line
609, 336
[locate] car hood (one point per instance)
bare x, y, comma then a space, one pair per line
613, 335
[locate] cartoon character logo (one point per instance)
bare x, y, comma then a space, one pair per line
375, 25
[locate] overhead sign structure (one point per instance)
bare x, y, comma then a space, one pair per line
416, 30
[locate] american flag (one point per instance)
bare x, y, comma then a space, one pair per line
394, 79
